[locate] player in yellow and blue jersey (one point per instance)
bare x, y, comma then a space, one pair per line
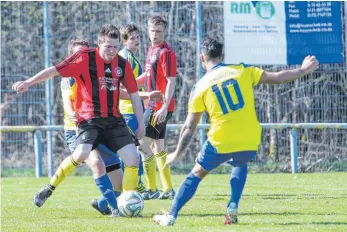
130, 35
226, 94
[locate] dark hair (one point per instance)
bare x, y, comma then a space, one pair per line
212, 48
157, 20
74, 43
110, 31
127, 29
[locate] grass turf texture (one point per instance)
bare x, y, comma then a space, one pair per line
271, 202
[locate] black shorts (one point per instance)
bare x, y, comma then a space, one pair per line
155, 131
111, 132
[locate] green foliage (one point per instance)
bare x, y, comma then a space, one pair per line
271, 202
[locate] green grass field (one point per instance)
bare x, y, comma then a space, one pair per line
271, 202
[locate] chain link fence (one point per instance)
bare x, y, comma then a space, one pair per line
319, 97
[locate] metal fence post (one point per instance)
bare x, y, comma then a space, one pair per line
132, 11
294, 150
38, 153
199, 70
345, 26
48, 87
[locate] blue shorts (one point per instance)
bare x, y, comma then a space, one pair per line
110, 158
209, 159
131, 121
70, 139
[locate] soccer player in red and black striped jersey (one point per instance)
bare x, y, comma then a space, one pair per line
160, 74
99, 73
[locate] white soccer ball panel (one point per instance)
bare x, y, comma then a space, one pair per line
130, 204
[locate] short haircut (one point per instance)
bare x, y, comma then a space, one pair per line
74, 43
127, 29
212, 48
110, 31
157, 20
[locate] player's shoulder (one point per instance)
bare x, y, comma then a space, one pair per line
122, 59
166, 49
82, 54
243, 66
85, 52
202, 84
78, 56
124, 53
122, 62
240, 68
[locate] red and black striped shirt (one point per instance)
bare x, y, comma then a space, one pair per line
161, 63
97, 83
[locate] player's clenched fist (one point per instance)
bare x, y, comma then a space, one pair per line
310, 64
20, 86
156, 96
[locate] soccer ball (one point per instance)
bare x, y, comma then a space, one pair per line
130, 204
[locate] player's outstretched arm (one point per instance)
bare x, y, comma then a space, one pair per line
23, 86
309, 65
155, 96
186, 135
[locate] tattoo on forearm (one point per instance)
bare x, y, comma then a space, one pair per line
185, 139
187, 132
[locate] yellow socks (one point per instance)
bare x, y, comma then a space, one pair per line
150, 173
130, 178
165, 175
64, 169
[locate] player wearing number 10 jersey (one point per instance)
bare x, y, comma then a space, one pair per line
226, 94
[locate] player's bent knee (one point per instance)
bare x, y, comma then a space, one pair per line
145, 154
159, 145
129, 155
97, 166
145, 151
145, 141
199, 171
132, 160
82, 152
